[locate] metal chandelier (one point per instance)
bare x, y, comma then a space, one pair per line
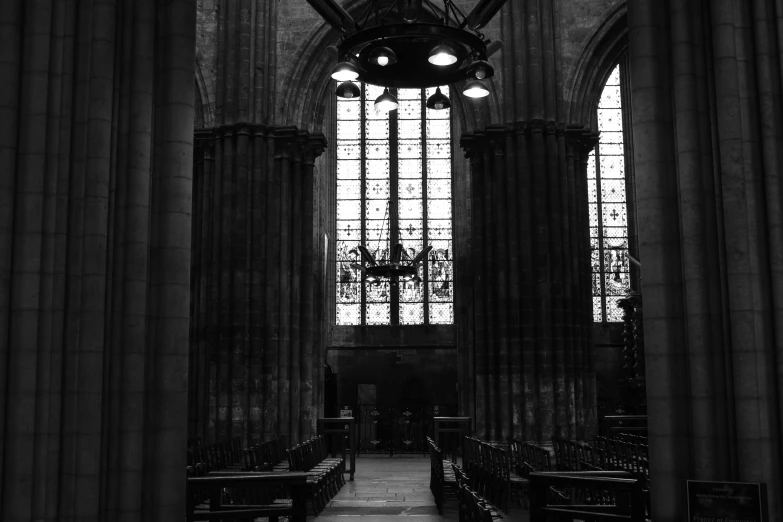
412, 44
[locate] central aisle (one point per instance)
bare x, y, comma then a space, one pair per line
385, 488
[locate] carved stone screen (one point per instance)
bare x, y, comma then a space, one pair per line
394, 186
608, 209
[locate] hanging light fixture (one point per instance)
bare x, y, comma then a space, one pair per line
348, 90
442, 55
438, 101
383, 56
345, 71
475, 89
412, 45
386, 102
481, 69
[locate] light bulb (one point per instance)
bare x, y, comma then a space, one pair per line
383, 60
438, 105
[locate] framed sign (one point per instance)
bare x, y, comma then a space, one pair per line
727, 502
346, 414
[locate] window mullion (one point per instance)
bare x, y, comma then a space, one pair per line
600, 215
424, 228
363, 198
394, 214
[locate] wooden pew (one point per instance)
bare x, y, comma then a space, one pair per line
441, 475
245, 496
625, 491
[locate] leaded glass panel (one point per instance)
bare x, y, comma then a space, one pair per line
409, 94
349, 209
613, 191
378, 313
438, 149
438, 168
377, 149
441, 313
349, 314
411, 313
410, 208
349, 230
608, 206
439, 209
410, 168
377, 168
347, 150
348, 110
349, 130
612, 167
378, 189
409, 129
376, 129
610, 119
438, 129
410, 229
439, 189
349, 169
376, 209
410, 188
409, 109
411, 292
349, 188
409, 149
438, 229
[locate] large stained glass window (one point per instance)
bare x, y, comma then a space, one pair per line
608, 207
394, 186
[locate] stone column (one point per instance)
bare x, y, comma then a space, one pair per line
534, 376
706, 79
254, 360
96, 130
532, 300
254, 364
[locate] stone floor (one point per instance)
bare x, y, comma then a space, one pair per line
385, 488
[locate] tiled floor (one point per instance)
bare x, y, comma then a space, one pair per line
385, 488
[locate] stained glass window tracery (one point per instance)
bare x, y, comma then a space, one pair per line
394, 186
608, 206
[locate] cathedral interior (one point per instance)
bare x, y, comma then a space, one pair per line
193, 213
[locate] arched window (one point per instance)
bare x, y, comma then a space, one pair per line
609, 216
394, 186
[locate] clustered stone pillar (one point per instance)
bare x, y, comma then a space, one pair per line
532, 291
255, 372
96, 132
532, 309
706, 81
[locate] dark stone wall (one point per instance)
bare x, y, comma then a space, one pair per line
608, 361
403, 376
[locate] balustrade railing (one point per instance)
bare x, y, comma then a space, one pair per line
396, 429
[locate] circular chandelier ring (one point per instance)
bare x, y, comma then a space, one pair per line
434, 32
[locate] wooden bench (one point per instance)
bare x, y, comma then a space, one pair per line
225, 454
442, 478
620, 488
245, 496
473, 507
324, 475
